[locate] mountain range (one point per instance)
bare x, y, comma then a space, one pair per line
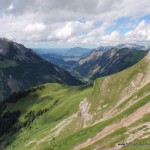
98, 62
112, 113
102, 63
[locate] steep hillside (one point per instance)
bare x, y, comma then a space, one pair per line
102, 63
21, 68
114, 111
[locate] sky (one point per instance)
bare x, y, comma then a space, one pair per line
70, 23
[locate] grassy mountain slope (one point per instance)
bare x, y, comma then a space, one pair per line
21, 68
114, 110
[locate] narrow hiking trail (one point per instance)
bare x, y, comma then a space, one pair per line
136, 115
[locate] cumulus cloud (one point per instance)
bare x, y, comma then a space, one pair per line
113, 37
11, 7
71, 21
140, 34
69, 30
62, 33
35, 27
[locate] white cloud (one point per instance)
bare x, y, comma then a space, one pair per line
113, 37
62, 33
69, 30
35, 27
11, 7
141, 33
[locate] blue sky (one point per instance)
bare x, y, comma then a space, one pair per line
69, 23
